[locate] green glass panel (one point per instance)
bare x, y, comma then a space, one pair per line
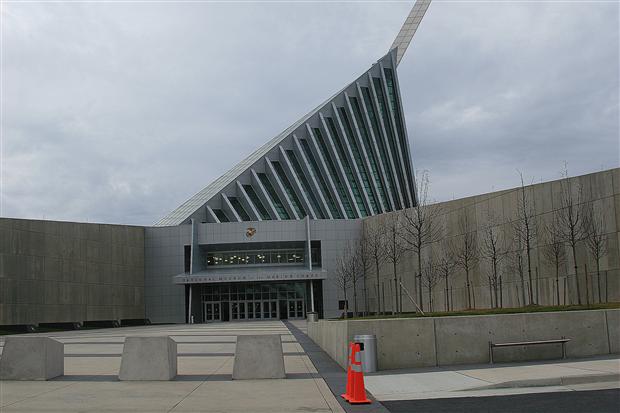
239, 209
275, 199
221, 215
396, 155
393, 95
383, 155
332, 169
315, 170
289, 189
347, 168
257, 202
350, 138
305, 184
357, 110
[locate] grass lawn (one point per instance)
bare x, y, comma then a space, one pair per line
484, 311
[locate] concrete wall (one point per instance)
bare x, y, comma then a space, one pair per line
601, 188
441, 341
69, 272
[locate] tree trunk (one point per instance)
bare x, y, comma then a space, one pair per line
576, 273
365, 312
529, 275
354, 297
501, 293
395, 287
447, 298
537, 287
346, 304
598, 278
419, 277
557, 281
585, 270
430, 299
378, 287
468, 288
490, 294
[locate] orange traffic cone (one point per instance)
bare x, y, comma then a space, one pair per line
359, 390
349, 393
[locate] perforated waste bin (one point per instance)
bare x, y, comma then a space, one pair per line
369, 352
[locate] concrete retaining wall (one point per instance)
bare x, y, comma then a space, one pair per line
600, 189
440, 341
69, 272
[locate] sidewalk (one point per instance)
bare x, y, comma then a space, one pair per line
497, 379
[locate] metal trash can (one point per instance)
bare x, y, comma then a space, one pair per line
369, 352
312, 317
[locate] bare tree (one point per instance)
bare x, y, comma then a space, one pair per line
492, 248
430, 278
516, 265
375, 242
571, 227
554, 252
525, 230
420, 227
445, 267
596, 242
365, 263
345, 275
465, 252
394, 250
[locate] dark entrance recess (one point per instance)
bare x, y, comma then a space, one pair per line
283, 310
225, 311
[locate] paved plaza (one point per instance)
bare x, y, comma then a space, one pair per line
204, 381
205, 364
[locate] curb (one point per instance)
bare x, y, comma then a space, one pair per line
554, 381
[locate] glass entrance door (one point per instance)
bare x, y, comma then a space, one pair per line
295, 308
211, 311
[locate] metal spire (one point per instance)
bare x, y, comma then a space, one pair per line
409, 28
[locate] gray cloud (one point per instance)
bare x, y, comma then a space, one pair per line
120, 112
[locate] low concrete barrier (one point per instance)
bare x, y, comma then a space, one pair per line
258, 357
441, 341
148, 358
32, 358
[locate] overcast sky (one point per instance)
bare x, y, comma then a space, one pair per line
119, 112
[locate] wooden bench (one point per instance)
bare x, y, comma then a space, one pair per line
562, 341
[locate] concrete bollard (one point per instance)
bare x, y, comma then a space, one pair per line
32, 358
149, 358
258, 357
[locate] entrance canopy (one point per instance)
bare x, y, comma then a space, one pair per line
249, 274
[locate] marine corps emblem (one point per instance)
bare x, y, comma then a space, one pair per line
250, 232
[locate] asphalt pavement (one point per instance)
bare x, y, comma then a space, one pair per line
595, 401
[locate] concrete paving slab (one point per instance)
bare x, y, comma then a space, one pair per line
14, 391
107, 396
256, 396
77, 366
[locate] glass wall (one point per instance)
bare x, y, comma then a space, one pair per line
249, 189
289, 256
274, 196
315, 169
334, 174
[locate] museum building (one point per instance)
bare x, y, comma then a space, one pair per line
262, 240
